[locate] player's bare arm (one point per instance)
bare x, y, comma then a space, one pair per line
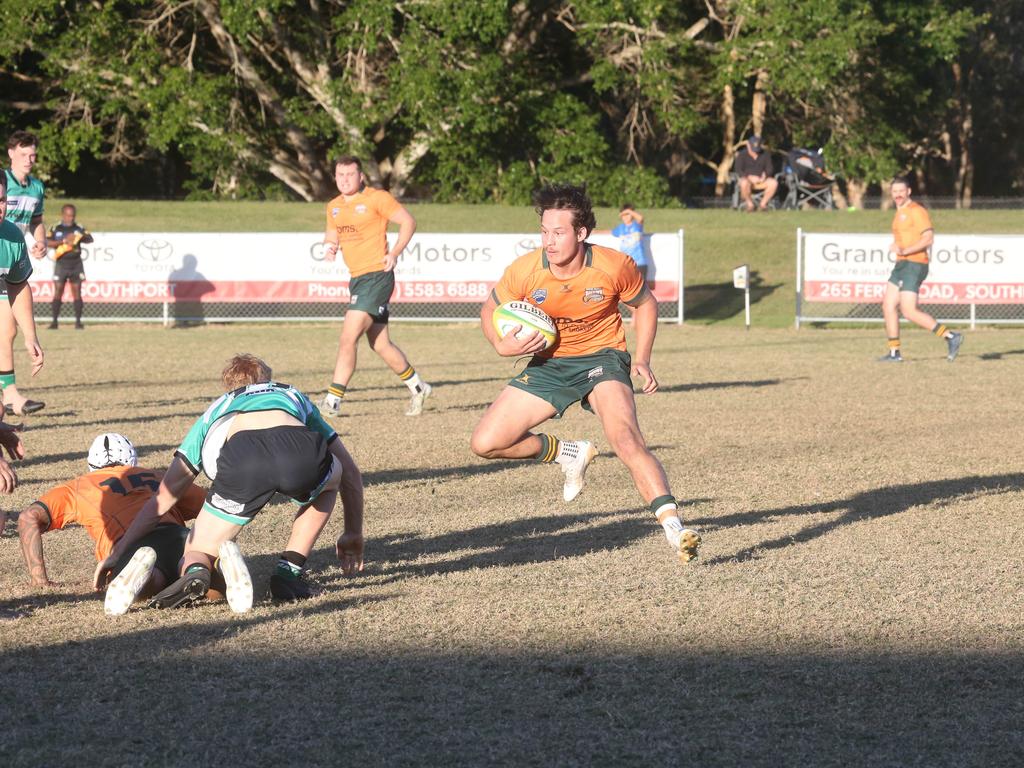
349, 547
176, 481
39, 233
10, 439
31, 525
20, 298
406, 229
923, 243
8, 478
645, 323
508, 345
330, 244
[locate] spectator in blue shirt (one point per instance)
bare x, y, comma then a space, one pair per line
631, 237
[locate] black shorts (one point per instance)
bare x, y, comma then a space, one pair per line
255, 464
70, 269
169, 543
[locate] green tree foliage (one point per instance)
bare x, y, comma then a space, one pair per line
482, 101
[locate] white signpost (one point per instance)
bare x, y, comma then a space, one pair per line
741, 280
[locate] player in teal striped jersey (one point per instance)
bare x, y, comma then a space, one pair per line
25, 210
258, 439
15, 294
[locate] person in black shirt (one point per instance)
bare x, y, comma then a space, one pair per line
754, 168
66, 240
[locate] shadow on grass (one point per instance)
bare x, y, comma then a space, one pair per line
698, 386
867, 505
518, 542
1000, 355
444, 704
721, 301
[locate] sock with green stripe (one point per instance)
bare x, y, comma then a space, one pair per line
549, 446
290, 564
411, 379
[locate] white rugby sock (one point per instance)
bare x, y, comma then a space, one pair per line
668, 516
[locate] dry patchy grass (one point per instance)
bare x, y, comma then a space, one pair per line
857, 601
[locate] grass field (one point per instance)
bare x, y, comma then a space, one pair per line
858, 599
716, 240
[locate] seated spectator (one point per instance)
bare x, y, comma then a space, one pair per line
754, 168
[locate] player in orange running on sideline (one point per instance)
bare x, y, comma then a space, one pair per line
357, 223
912, 238
580, 286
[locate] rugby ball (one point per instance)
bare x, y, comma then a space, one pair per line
513, 313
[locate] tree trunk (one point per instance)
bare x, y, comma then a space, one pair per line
886, 198
855, 191
728, 140
965, 134
759, 103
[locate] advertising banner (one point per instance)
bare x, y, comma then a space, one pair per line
964, 269
137, 267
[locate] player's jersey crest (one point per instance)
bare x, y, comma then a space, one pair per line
593, 295
539, 295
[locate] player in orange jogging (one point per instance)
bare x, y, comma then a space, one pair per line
357, 223
580, 286
913, 236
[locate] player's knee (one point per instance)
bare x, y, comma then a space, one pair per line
483, 446
628, 444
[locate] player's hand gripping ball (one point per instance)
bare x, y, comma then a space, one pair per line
513, 313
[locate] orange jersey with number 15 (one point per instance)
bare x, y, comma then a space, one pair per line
362, 224
585, 308
106, 501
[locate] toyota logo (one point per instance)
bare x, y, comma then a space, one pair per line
525, 246
155, 250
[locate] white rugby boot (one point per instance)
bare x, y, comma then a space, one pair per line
575, 468
330, 406
686, 541
238, 583
123, 590
418, 399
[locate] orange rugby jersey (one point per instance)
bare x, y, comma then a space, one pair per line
106, 501
585, 308
362, 225
911, 221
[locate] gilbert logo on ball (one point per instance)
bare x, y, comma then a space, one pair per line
513, 313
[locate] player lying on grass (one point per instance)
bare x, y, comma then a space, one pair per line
258, 439
105, 501
579, 285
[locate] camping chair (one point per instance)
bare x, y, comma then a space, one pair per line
807, 181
